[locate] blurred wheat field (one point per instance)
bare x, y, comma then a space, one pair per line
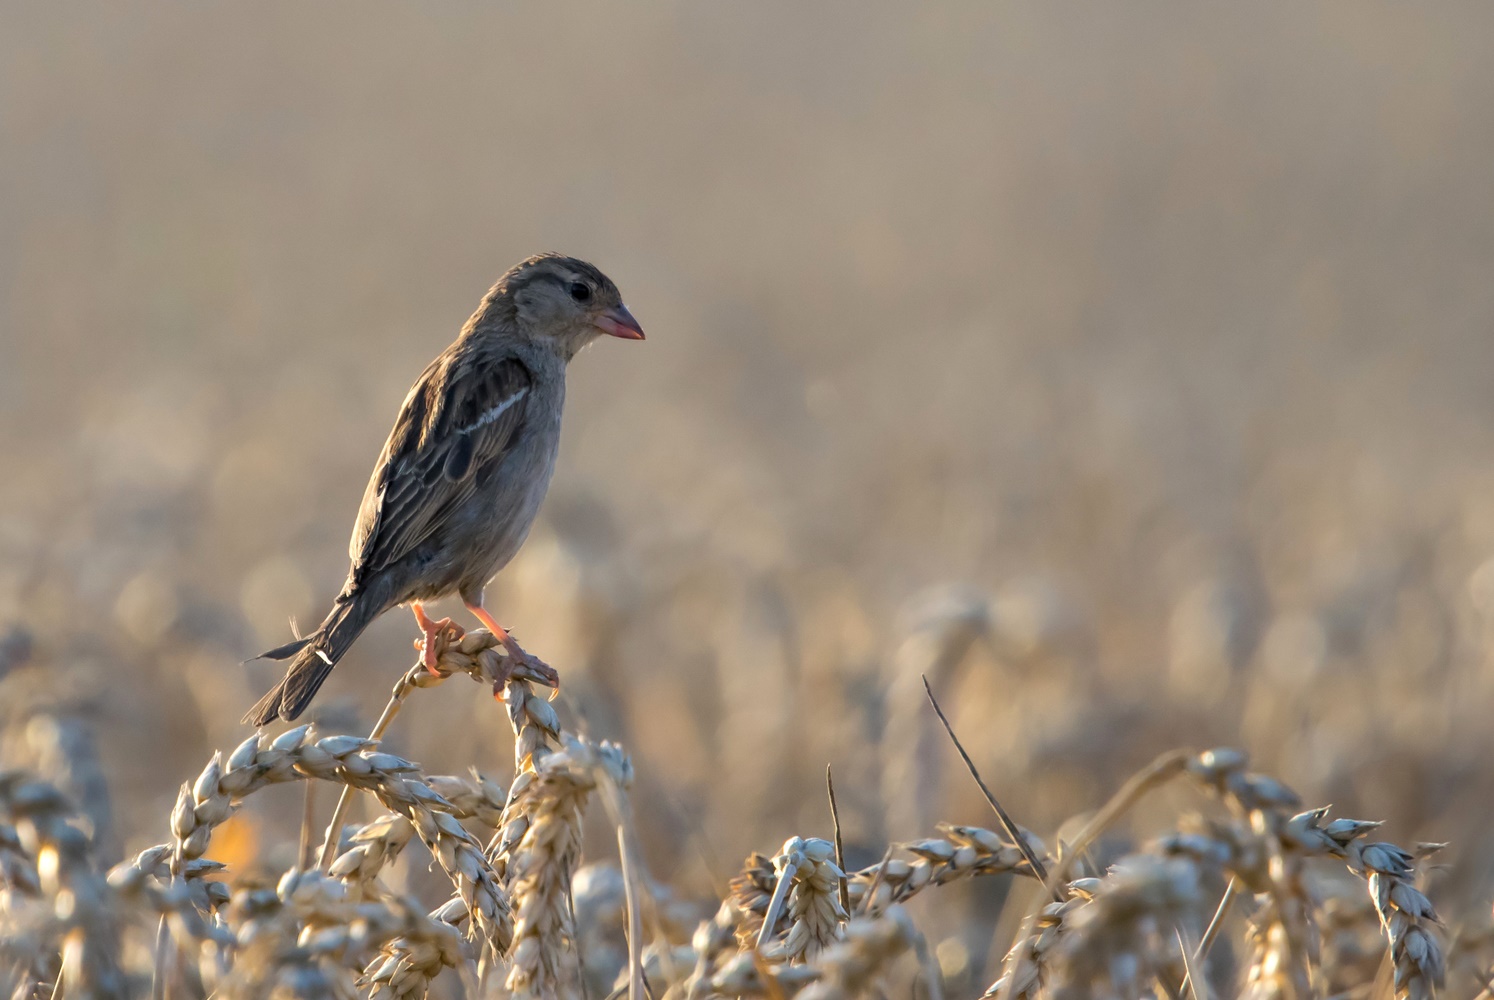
1125, 370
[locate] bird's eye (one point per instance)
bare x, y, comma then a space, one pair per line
580, 291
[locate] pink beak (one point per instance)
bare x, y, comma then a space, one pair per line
619, 323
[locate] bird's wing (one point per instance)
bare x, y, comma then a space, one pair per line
458, 420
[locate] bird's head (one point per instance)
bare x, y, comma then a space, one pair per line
561, 300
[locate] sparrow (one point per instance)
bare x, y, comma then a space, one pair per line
465, 468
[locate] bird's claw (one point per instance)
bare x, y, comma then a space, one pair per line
526, 666
434, 638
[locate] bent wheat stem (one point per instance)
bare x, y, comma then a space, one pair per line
332, 836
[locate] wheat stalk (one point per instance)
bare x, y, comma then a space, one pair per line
542, 848
352, 761
963, 852
1407, 916
783, 932
847, 968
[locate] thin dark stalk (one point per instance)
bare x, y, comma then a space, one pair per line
1006, 821
840, 852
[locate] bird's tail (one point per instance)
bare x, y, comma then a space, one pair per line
312, 659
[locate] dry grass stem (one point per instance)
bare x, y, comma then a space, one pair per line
1001, 814
840, 849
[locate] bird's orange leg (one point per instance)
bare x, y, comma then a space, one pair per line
435, 635
516, 652
482, 615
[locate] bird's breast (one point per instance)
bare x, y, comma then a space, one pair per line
509, 502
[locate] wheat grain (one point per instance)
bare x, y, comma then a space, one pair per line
542, 847
372, 846
473, 797
963, 852
72, 901
851, 966
1122, 939
813, 911
710, 945
352, 761
1407, 917
1025, 964
751, 894
783, 932
407, 965
846, 968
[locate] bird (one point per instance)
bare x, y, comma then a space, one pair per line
465, 469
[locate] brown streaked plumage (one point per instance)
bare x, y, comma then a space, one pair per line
465, 468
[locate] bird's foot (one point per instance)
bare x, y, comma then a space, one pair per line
434, 638
524, 665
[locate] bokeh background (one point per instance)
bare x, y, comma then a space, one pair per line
1126, 368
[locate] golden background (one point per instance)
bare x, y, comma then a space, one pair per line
1128, 368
